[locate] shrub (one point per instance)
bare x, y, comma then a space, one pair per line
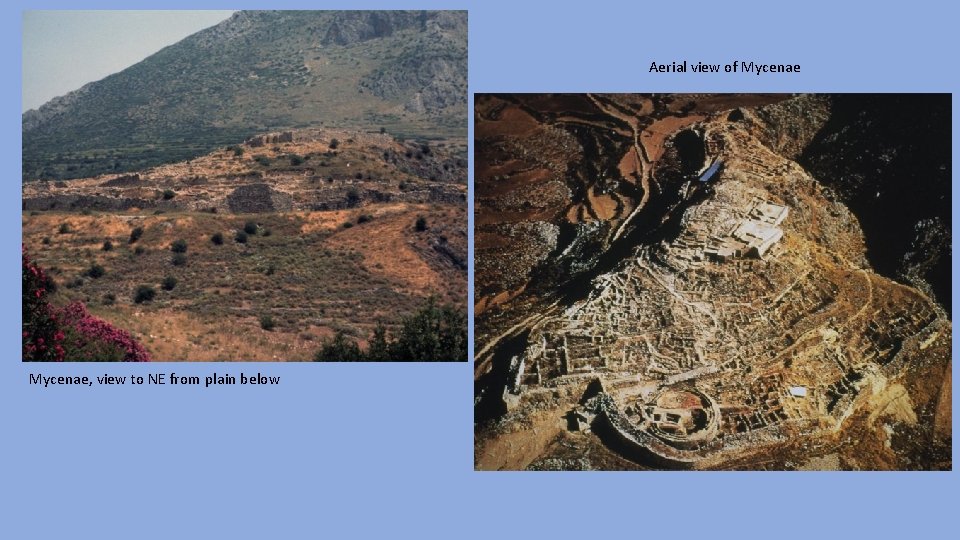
135, 234
65, 228
168, 194
109, 299
169, 283
46, 240
267, 232
334, 143
421, 224
75, 282
179, 246
217, 239
296, 160
241, 237
144, 293
267, 322
250, 227
91, 339
42, 337
237, 151
95, 271
263, 160
364, 218
107, 246
347, 224
139, 250
353, 196
179, 259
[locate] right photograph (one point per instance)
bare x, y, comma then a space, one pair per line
712, 282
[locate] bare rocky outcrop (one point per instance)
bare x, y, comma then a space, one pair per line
349, 27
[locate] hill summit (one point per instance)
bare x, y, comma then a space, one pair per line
259, 71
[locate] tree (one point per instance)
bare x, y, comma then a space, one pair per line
241, 237
421, 224
135, 234
169, 283
107, 245
168, 194
433, 334
339, 349
217, 239
250, 227
379, 349
179, 246
334, 143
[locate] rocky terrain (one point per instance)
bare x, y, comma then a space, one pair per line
287, 239
687, 281
256, 72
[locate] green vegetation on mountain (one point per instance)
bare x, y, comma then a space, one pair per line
403, 71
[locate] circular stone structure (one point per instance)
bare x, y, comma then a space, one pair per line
682, 418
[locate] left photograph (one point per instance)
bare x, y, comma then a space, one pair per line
244, 186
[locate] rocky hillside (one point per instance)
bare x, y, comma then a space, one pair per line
284, 241
259, 71
887, 156
306, 170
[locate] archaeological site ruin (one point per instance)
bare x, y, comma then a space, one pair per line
704, 301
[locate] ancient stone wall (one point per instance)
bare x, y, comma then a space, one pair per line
255, 198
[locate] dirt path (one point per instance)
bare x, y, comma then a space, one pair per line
642, 163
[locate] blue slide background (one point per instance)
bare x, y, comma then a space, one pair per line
370, 451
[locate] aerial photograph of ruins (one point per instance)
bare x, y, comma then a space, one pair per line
713, 282
278, 186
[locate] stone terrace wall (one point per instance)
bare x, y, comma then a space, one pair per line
256, 198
